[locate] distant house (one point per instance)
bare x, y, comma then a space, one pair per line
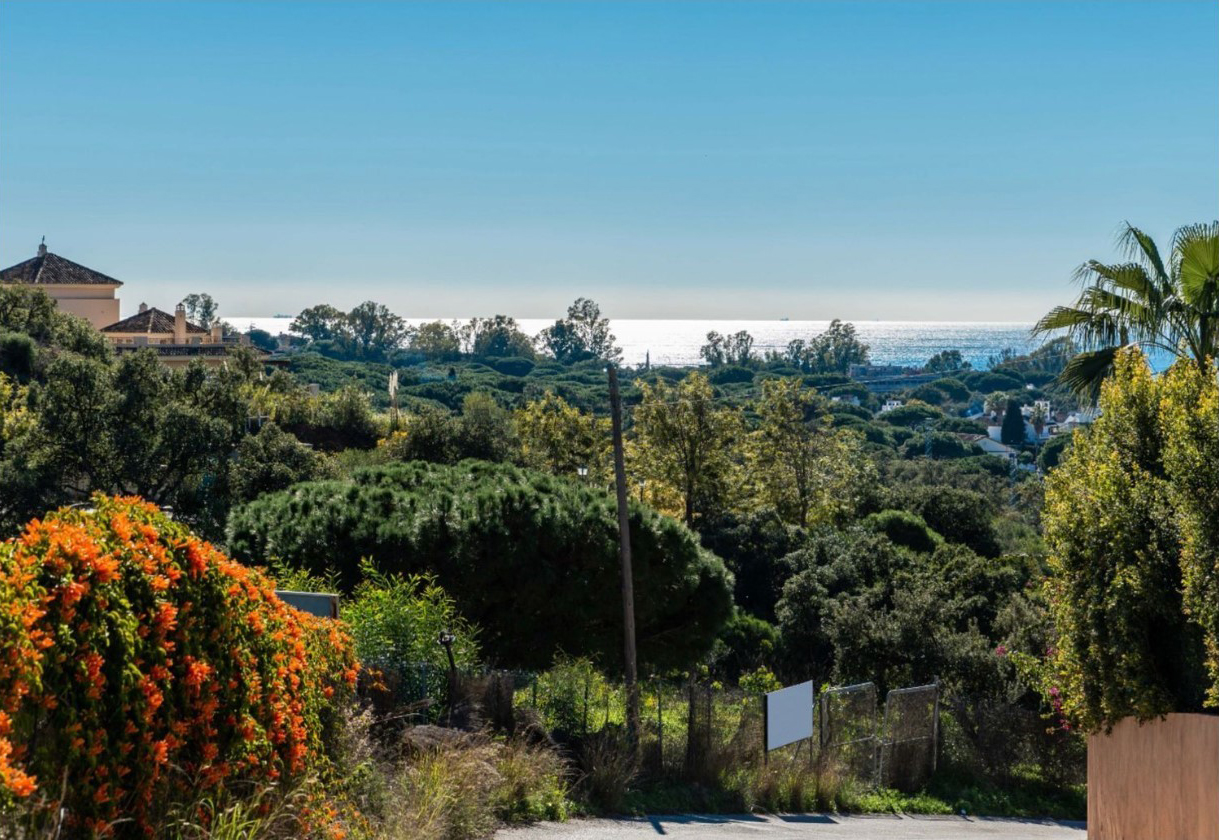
889, 405
89, 294
176, 341
849, 399
1082, 417
991, 445
77, 290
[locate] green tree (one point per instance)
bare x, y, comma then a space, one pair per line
807, 471
436, 341
833, 351
371, 331
430, 433
946, 360
1131, 585
557, 438
1053, 452
271, 460
735, 349
528, 557
836, 349
913, 413
860, 608
1011, 431
29, 311
1171, 307
583, 334
485, 428
200, 309
1038, 418
684, 445
497, 337
738, 349
713, 352
755, 546
904, 528
319, 323
958, 515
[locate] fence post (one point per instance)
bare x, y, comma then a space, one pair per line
660, 729
765, 727
935, 729
691, 737
586, 681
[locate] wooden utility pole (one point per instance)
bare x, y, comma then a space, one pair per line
624, 551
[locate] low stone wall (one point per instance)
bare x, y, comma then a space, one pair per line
1155, 780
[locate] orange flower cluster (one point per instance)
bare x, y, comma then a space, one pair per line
146, 664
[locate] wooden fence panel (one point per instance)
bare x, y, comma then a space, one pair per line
1156, 780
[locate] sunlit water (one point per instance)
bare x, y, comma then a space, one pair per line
676, 342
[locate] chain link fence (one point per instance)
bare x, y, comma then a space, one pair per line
689, 730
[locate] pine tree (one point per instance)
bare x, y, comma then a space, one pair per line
1012, 431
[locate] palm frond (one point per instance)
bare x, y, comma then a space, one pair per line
1124, 311
1062, 318
1195, 258
1129, 277
1085, 373
1141, 246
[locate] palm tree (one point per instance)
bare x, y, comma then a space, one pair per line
1038, 418
1172, 308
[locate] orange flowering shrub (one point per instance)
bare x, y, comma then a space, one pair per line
147, 666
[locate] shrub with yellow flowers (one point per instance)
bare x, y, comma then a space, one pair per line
140, 666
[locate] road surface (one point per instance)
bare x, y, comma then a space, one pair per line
800, 826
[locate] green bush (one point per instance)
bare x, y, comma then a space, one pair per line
904, 528
955, 389
911, 414
959, 516
530, 558
943, 445
988, 382
929, 394
729, 374
271, 460
17, 354
1130, 523
746, 644
513, 366
865, 609
395, 620
1054, 450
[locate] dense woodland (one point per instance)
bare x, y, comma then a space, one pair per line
820, 539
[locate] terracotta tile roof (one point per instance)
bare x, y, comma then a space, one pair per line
151, 320
49, 269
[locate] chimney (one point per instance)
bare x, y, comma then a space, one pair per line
143, 308
217, 333
180, 325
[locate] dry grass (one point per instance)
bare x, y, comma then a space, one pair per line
608, 769
458, 792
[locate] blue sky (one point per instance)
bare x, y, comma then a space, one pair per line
886, 160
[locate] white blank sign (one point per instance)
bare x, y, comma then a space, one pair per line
789, 715
321, 604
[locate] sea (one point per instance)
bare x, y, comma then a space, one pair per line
677, 342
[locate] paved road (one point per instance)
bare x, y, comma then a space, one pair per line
801, 826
